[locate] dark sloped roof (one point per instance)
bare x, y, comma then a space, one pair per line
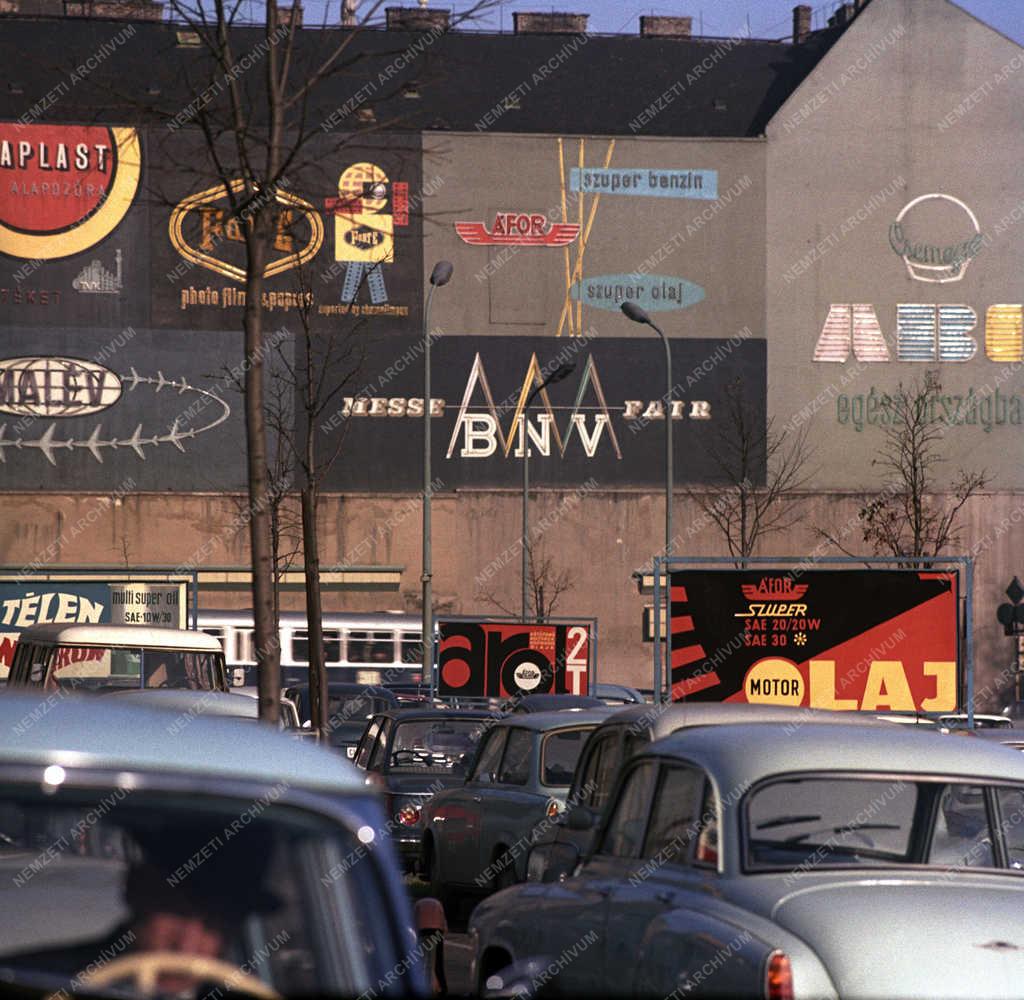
603, 84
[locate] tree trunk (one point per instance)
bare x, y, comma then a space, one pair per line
266, 634
314, 612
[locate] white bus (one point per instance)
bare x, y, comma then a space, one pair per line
368, 648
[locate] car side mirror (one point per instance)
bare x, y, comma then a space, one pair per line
551, 862
581, 819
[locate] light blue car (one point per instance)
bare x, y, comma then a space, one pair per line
763, 860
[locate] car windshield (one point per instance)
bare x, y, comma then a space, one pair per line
428, 744
90, 878
347, 716
97, 668
833, 820
559, 755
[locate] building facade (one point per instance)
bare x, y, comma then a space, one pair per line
813, 221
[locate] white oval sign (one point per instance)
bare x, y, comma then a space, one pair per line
527, 676
56, 387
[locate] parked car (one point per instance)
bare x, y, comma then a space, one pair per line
552, 703
349, 708
412, 754
959, 720
617, 694
97, 658
476, 837
560, 845
749, 860
132, 854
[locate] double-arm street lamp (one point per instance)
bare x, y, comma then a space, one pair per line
561, 372
439, 276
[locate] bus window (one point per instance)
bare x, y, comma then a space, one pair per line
300, 646
371, 647
412, 647
332, 645
245, 652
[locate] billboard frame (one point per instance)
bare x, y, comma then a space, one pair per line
965, 623
435, 638
113, 574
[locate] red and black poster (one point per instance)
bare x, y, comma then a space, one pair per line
873, 640
481, 659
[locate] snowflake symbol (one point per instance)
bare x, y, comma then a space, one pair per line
800, 638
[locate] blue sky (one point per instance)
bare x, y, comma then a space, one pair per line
721, 18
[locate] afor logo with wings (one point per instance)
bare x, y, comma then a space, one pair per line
518, 229
773, 596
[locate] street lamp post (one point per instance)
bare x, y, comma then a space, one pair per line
638, 315
439, 276
561, 372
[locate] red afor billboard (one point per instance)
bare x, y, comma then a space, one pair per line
874, 640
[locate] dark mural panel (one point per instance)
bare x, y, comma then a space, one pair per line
134, 410
115, 226
348, 237
74, 226
603, 425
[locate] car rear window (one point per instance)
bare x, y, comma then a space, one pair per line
434, 745
832, 820
560, 752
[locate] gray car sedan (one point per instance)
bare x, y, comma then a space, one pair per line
750, 860
190, 855
476, 837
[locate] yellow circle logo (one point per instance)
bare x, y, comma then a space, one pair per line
773, 682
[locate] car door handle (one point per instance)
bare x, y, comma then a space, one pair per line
476, 798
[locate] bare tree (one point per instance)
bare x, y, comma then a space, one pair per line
911, 516
743, 447
259, 129
546, 587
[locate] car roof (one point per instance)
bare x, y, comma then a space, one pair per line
121, 635
238, 704
667, 718
744, 753
547, 701
409, 714
119, 733
563, 719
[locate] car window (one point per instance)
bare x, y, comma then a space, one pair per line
676, 815
490, 754
367, 743
559, 753
515, 765
962, 836
377, 753
1011, 820
602, 761
436, 744
625, 832
835, 820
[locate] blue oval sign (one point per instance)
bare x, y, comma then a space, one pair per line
653, 292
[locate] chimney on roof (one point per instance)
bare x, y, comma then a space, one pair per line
801, 23
843, 15
417, 19
665, 27
348, 13
289, 15
550, 24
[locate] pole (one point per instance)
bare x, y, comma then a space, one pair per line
526, 516
427, 576
669, 483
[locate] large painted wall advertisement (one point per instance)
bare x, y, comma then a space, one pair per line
113, 226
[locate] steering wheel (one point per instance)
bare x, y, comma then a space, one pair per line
420, 755
145, 968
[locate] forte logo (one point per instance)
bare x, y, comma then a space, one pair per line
64, 188
205, 231
518, 229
